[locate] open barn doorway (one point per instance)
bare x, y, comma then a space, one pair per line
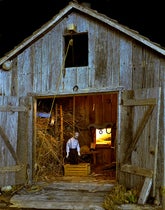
94, 116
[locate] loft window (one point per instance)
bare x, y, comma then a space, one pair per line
77, 54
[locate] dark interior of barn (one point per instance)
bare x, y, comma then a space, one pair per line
93, 116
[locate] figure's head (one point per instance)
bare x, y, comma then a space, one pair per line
76, 135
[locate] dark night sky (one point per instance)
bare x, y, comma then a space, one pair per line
20, 18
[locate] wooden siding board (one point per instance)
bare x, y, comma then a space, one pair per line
146, 67
5, 82
125, 63
70, 79
59, 56
92, 34
8, 122
36, 66
2, 73
2, 143
113, 64
83, 78
101, 61
161, 148
152, 70
14, 78
45, 63
54, 57
24, 72
82, 26
70, 19
138, 70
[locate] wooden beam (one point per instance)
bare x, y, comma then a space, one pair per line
11, 168
137, 170
139, 130
145, 191
8, 144
140, 102
13, 108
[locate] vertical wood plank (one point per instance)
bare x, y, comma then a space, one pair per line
145, 191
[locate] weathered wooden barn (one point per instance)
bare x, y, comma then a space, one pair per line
84, 71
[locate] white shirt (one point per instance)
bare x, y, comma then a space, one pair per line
72, 143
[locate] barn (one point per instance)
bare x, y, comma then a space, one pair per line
83, 71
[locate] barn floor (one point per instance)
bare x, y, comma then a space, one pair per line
66, 193
71, 193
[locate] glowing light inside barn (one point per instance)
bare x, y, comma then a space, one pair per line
103, 136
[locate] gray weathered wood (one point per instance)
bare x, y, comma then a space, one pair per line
145, 190
62, 195
139, 102
10, 168
146, 146
137, 170
9, 146
12, 109
139, 130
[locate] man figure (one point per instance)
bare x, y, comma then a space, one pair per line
73, 149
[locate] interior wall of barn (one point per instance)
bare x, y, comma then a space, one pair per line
58, 117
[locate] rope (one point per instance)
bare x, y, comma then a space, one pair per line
62, 72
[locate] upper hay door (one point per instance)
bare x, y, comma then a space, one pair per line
137, 146
15, 139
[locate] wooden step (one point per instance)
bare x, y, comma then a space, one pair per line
64, 196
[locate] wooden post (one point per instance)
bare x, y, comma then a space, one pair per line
73, 115
56, 119
61, 128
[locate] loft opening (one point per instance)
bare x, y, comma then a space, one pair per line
76, 49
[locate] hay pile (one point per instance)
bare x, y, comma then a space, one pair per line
49, 152
119, 195
50, 145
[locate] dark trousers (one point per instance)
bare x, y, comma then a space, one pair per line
73, 156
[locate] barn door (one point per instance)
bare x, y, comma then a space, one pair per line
137, 146
15, 139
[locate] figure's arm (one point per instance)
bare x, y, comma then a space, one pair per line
67, 149
78, 149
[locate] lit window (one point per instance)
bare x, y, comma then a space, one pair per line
103, 136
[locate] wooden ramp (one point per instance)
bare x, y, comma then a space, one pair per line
63, 195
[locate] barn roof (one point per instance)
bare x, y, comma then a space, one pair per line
90, 12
